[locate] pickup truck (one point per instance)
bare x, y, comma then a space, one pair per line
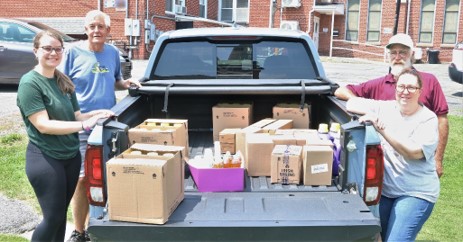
191, 70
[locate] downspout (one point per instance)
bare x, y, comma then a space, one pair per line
99, 5
270, 17
136, 9
147, 9
396, 20
309, 24
408, 16
147, 45
130, 37
127, 9
331, 38
139, 27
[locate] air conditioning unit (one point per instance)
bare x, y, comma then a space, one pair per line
179, 9
291, 25
290, 3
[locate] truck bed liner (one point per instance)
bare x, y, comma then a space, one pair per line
240, 216
260, 211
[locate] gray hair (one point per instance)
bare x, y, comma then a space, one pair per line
93, 14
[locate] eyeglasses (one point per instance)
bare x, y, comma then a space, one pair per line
410, 89
402, 53
50, 49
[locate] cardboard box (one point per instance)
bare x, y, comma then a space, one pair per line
148, 151
162, 132
286, 164
317, 165
145, 188
278, 124
240, 136
314, 139
284, 140
227, 147
293, 111
230, 115
262, 123
227, 140
228, 135
217, 179
295, 131
259, 151
299, 136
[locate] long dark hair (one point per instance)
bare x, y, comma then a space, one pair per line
64, 83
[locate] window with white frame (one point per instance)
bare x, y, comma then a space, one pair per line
203, 8
352, 28
175, 6
169, 5
449, 36
234, 11
374, 20
427, 21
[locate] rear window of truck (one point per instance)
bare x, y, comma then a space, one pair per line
263, 59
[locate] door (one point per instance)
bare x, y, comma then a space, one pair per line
316, 28
16, 55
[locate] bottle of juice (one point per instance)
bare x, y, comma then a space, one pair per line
335, 134
227, 160
323, 131
236, 160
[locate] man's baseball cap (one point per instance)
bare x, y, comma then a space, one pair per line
403, 39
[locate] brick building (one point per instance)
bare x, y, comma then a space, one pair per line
347, 28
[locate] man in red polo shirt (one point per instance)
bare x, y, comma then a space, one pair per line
383, 88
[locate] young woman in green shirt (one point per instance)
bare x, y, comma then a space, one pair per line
51, 113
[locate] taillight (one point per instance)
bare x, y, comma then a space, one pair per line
94, 172
373, 175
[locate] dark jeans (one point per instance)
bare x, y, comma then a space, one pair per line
54, 182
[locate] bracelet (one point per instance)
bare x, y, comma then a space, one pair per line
86, 129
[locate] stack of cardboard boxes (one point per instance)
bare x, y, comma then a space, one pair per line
289, 127
145, 183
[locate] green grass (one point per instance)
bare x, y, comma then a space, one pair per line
446, 219
443, 225
12, 238
12, 168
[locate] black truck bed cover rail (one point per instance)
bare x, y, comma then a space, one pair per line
236, 86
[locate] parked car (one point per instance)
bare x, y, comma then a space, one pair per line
16, 55
456, 67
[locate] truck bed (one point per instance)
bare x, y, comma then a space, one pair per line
251, 216
259, 213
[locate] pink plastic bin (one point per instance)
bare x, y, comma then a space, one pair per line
218, 179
